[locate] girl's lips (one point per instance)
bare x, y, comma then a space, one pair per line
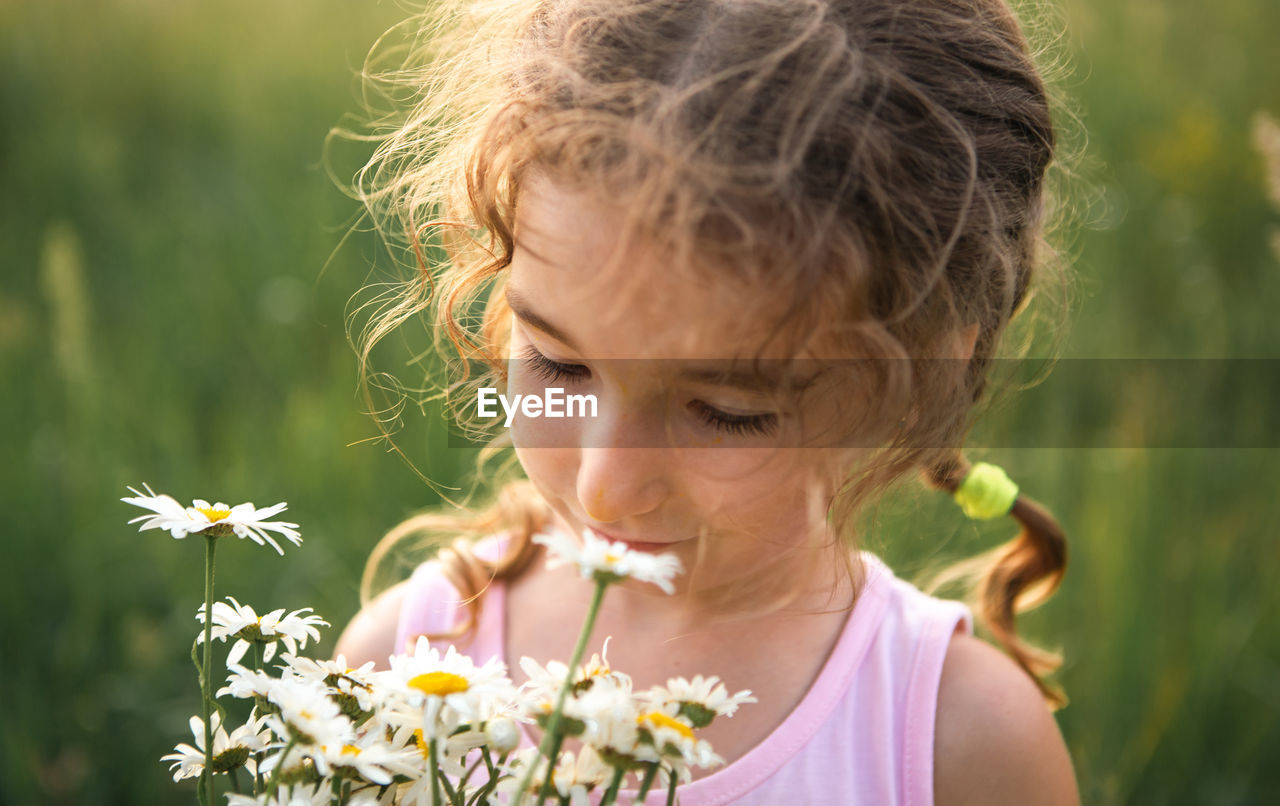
647, 547
638, 545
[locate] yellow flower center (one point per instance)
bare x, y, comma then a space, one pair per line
423, 747
350, 750
439, 683
214, 515
595, 668
611, 558
662, 720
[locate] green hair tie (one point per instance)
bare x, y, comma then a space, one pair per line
986, 492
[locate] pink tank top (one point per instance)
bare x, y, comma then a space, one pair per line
862, 735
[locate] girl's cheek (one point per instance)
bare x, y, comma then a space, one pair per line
552, 471
750, 470
555, 433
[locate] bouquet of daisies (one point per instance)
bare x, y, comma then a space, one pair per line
434, 728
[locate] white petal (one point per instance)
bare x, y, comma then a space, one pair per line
271, 620
237, 652
263, 514
273, 543
288, 530
197, 730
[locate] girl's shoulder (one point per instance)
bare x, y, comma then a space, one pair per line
905, 613
426, 602
996, 740
432, 605
964, 706
371, 633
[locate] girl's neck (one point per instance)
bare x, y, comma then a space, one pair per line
655, 637
641, 613
795, 585
644, 608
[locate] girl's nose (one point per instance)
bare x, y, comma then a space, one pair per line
619, 476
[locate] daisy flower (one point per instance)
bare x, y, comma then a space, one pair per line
609, 714
602, 712
371, 760
502, 734
603, 561
544, 682
230, 752
699, 700
574, 777
472, 693
244, 683
454, 744
670, 737
309, 718
451, 751
353, 687
241, 622
318, 794
242, 520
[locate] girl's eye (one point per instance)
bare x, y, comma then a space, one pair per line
553, 371
736, 424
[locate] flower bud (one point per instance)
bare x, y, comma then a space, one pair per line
502, 734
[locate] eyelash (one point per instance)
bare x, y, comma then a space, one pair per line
553, 371
735, 424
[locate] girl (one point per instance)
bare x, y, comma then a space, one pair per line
778, 243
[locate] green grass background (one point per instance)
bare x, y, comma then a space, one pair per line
171, 311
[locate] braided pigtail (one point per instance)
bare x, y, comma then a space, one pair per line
1014, 577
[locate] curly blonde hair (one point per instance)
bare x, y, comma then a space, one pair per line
879, 165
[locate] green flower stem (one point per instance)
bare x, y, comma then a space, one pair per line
475, 765
449, 791
257, 775
611, 794
275, 773
260, 702
492, 783
671, 788
206, 679
554, 738
647, 782
435, 771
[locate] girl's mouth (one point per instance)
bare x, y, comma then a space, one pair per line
637, 545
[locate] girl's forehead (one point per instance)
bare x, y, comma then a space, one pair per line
572, 270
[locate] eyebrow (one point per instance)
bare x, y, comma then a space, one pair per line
520, 307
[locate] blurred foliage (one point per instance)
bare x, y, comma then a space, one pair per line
172, 311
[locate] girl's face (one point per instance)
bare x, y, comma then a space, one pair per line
683, 448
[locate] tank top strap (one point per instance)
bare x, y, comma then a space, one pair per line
433, 605
918, 631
